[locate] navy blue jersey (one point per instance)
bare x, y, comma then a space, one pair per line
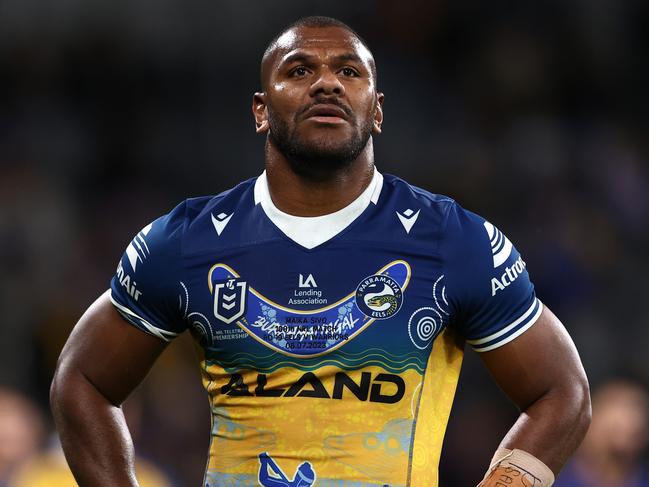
331, 345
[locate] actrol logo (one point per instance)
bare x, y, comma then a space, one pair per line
501, 247
509, 276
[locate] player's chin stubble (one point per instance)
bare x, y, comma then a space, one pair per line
316, 159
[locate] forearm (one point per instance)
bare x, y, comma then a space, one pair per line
93, 432
541, 372
552, 427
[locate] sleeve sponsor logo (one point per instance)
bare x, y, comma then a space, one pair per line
125, 281
138, 250
501, 247
510, 275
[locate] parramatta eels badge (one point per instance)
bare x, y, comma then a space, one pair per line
379, 296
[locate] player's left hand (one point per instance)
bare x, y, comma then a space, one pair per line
509, 477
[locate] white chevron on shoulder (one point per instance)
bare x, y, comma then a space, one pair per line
501, 247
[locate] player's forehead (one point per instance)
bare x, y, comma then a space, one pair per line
319, 42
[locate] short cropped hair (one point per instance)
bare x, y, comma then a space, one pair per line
317, 21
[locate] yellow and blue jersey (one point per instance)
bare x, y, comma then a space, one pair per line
330, 347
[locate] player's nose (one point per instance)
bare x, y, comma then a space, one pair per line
327, 83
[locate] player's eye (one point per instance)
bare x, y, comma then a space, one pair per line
299, 72
347, 71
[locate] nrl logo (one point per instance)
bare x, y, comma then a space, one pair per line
230, 299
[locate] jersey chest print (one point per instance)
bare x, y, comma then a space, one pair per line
328, 362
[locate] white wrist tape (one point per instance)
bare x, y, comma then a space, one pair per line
538, 472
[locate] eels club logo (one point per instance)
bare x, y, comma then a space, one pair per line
379, 296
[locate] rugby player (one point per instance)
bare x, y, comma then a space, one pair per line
332, 304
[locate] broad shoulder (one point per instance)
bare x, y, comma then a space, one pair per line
406, 191
220, 205
408, 199
194, 223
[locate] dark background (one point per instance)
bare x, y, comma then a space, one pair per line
533, 114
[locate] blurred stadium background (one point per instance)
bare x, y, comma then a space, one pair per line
533, 114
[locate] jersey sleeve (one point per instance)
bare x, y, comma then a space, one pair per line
491, 295
146, 288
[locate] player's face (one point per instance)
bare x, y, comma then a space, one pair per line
320, 105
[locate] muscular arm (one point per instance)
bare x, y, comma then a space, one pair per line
104, 359
542, 373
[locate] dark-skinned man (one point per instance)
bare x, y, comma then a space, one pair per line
332, 304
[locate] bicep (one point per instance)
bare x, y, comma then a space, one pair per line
541, 361
111, 354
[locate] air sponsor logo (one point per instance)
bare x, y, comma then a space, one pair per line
382, 387
125, 280
138, 250
509, 276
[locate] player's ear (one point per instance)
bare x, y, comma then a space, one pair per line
260, 112
378, 114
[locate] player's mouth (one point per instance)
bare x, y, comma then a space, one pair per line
326, 113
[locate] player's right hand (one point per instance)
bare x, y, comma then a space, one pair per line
509, 477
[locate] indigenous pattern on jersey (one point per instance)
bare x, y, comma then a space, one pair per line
330, 347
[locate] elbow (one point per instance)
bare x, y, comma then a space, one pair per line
58, 393
583, 406
66, 393
586, 408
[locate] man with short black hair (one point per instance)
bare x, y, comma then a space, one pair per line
332, 304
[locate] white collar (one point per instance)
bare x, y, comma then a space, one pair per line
311, 231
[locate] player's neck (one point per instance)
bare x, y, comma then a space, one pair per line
302, 196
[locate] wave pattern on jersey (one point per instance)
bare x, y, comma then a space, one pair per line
343, 360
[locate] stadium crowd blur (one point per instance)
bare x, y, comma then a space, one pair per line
533, 114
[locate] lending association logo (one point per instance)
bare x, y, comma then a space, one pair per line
379, 296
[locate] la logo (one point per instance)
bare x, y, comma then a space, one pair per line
310, 281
